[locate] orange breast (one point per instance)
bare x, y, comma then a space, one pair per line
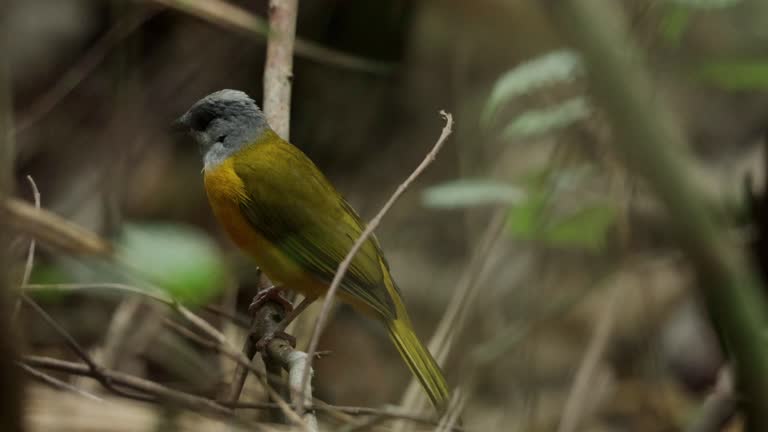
225, 193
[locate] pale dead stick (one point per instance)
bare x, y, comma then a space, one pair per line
576, 406
30, 253
372, 225
201, 324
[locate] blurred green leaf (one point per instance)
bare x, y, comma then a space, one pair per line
674, 22
534, 218
586, 228
536, 122
524, 220
471, 193
180, 259
554, 67
706, 4
747, 74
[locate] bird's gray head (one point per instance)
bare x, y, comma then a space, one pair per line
222, 123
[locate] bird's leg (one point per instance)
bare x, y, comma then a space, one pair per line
279, 330
272, 293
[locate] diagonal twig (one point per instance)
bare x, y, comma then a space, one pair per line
79, 351
467, 291
51, 229
158, 391
199, 403
57, 383
579, 395
227, 14
372, 225
155, 294
31, 252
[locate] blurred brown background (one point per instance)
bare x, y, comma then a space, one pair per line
96, 85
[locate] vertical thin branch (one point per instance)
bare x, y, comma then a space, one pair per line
463, 300
653, 144
278, 71
11, 389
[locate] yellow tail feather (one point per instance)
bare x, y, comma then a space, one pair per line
420, 362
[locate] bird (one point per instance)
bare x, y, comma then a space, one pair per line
281, 210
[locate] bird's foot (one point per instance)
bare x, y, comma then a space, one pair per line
272, 293
262, 344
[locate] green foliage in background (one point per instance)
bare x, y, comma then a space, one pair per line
734, 74
706, 4
678, 14
545, 70
180, 259
585, 227
532, 216
465, 193
531, 208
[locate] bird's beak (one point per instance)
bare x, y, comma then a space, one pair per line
180, 125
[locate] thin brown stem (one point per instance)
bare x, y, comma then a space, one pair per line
30, 252
278, 70
158, 391
51, 229
579, 400
372, 225
210, 406
222, 343
77, 349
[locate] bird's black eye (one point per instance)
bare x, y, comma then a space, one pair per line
201, 119
221, 138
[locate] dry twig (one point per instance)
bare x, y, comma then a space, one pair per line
577, 404
198, 403
653, 144
30, 253
57, 383
278, 70
266, 320
372, 225
228, 15
96, 370
278, 74
464, 296
51, 229
156, 295
158, 391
